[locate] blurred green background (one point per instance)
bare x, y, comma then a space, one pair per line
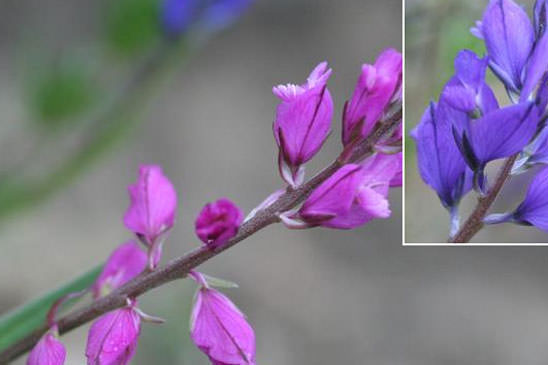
435, 32
88, 90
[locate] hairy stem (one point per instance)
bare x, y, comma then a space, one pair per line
474, 223
180, 267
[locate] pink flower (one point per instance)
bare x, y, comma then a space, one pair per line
351, 197
48, 351
377, 86
153, 204
218, 222
124, 263
303, 122
220, 330
112, 339
151, 212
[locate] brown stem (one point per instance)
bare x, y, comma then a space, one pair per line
180, 267
474, 223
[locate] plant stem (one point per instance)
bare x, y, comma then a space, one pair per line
474, 223
180, 267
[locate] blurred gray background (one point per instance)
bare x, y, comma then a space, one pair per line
435, 32
313, 297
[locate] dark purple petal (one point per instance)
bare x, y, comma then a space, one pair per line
218, 222
540, 17
536, 68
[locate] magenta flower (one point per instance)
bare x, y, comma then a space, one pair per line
126, 262
218, 222
219, 329
152, 210
112, 339
303, 122
376, 88
351, 197
48, 351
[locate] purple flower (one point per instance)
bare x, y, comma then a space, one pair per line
303, 122
152, 210
498, 134
534, 208
219, 329
218, 222
178, 16
112, 339
375, 90
351, 197
48, 351
509, 38
441, 165
467, 90
124, 263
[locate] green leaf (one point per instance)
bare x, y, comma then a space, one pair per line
132, 25
23, 320
60, 94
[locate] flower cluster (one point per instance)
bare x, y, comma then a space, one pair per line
353, 195
357, 192
467, 128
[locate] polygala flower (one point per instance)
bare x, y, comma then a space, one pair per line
498, 134
219, 329
303, 122
218, 222
48, 351
351, 197
509, 38
441, 165
376, 88
534, 208
178, 16
152, 210
112, 339
126, 262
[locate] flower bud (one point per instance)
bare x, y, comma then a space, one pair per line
219, 329
375, 90
218, 222
48, 351
124, 263
112, 339
303, 122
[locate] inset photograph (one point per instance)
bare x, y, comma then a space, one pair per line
476, 135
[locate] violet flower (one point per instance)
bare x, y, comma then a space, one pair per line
535, 153
178, 16
48, 351
303, 122
112, 339
534, 208
540, 17
499, 134
441, 164
509, 37
218, 222
152, 210
126, 262
467, 90
219, 329
374, 91
351, 197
